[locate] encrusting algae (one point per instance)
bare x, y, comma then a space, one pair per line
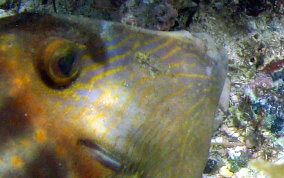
75, 102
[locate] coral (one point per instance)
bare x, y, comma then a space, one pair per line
254, 43
260, 83
237, 162
117, 3
252, 7
107, 10
10, 4
158, 15
186, 10
266, 97
152, 14
211, 166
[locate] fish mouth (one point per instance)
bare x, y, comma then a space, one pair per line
108, 158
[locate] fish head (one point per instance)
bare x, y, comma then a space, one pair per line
90, 98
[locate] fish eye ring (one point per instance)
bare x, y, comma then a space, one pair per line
61, 61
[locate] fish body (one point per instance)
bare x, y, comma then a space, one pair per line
89, 98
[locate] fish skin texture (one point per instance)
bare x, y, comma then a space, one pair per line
143, 99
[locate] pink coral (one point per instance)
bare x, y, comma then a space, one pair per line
262, 81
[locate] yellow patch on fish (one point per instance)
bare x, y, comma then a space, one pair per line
17, 161
40, 135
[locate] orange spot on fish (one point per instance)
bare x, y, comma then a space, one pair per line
17, 161
40, 135
19, 83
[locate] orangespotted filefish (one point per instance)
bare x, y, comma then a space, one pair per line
89, 98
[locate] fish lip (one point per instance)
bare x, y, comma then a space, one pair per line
102, 155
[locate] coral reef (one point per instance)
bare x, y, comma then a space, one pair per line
254, 120
159, 14
149, 14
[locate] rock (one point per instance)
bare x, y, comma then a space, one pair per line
211, 166
225, 172
2, 2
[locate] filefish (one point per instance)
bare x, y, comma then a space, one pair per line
88, 98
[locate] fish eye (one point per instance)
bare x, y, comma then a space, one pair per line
65, 64
60, 62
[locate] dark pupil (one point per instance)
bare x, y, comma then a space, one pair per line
65, 64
